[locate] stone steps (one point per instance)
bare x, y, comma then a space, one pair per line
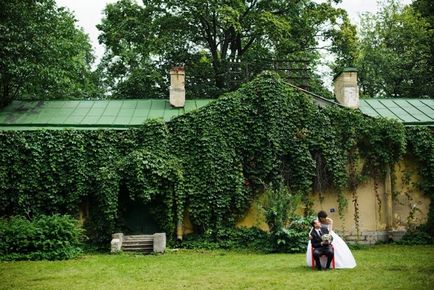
138, 243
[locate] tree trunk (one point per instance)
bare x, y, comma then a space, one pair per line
219, 74
6, 96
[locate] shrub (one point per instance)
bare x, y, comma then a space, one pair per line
279, 206
228, 238
54, 237
292, 239
418, 236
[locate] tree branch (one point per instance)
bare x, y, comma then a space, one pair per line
246, 47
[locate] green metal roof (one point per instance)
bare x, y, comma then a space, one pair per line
28, 115
407, 111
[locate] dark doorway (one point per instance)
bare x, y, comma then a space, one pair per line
135, 217
138, 220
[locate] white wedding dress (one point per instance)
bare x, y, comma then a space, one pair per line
343, 256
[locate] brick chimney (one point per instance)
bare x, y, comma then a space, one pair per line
177, 87
346, 89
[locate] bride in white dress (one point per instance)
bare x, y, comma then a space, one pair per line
343, 256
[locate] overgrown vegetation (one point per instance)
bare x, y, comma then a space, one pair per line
417, 236
221, 44
44, 238
290, 238
228, 238
211, 162
421, 145
392, 50
43, 54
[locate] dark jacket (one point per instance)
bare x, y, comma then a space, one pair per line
316, 239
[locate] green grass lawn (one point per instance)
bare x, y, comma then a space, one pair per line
379, 267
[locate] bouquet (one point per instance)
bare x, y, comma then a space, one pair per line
327, 238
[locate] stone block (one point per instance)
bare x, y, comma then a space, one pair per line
116, 243
159, 242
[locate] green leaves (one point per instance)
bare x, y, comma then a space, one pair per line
211, 162
53, 237
421, 145
43, 55
144, 41
395, 58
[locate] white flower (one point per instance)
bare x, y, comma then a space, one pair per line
327, 238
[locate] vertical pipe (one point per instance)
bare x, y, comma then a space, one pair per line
389, 201
179, 231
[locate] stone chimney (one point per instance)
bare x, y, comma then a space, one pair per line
177, 87
346, 89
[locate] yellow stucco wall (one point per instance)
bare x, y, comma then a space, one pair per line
409, 205
371, 208
187, 226
254, 217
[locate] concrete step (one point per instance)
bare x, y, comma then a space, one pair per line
137, 250
139, 237
138, 240
136, 245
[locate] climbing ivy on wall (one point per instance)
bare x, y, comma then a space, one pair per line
211, 162
57, 171
421, 145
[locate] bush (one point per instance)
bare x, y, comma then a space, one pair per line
54, 237
279, 206
418, 236
294, 238
227, 238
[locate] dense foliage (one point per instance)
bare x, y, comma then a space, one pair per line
228, 238
291, 238
144, 40
46, 172
421, 146
43, 55
418, 236
44, 238
210, 163
392, 50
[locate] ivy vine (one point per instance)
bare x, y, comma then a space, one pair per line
211, 162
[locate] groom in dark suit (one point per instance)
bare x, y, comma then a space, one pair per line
320, 247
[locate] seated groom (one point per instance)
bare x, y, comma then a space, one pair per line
320, 247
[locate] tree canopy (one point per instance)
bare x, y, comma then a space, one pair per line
43, 55
393, 51
144, 40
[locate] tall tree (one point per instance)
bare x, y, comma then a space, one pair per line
43, 55
345, 46
143, 41
426, 9
395, 53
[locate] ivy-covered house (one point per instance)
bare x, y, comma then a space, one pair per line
397, 197
192, 165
